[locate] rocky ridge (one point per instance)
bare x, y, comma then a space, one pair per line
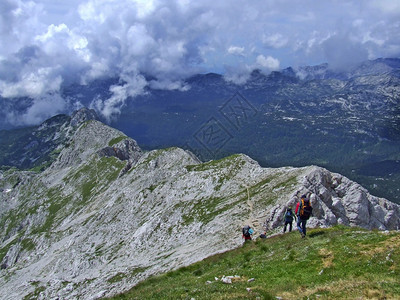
38, 146
105, 215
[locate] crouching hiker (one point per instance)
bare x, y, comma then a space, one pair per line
247, 232
303, 212
289, 216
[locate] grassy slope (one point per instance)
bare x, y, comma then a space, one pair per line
335, 263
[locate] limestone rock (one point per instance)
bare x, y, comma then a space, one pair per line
107, 215
82, 115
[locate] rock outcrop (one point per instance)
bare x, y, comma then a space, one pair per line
83, 115
126, 149
338, 200
106, 214
38, 146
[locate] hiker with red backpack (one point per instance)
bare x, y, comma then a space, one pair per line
303, 212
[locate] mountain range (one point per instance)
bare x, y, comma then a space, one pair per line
346, 121
105, 214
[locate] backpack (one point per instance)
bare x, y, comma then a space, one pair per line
246, 231
289, 216
305, 209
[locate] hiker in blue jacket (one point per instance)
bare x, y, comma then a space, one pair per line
289, 216
247, 232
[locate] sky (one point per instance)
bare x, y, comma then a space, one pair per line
45, 44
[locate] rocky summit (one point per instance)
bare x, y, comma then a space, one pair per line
106, 214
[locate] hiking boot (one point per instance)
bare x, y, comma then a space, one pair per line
303, 235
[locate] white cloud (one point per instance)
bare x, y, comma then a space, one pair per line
42, 108
145, 8
46, 44
238, 74
267, 63
89, 11
387, 6
111, 107
234, 50
32, 84
97, 70
276, 40
241, 73
19, 22
139, 40
51, 31
169, 85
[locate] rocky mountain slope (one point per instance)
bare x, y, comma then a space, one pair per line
106, 214
38, 146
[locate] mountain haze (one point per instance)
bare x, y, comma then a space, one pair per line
107, 214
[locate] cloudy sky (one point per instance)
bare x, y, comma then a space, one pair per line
49, 43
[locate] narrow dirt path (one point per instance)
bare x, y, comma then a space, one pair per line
252, 219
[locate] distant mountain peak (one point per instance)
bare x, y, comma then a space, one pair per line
82, 115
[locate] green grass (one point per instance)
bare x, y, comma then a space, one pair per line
120, 276
204, 211
99, 172
35, 294
225, 162
28, 244
116, 140
95, 173
57, 204
335, 263
153, 155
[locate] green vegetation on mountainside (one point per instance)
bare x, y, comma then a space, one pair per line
91, 178
334, 263
116, 140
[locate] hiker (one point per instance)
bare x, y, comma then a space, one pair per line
303, 212
247, 232
289, 216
